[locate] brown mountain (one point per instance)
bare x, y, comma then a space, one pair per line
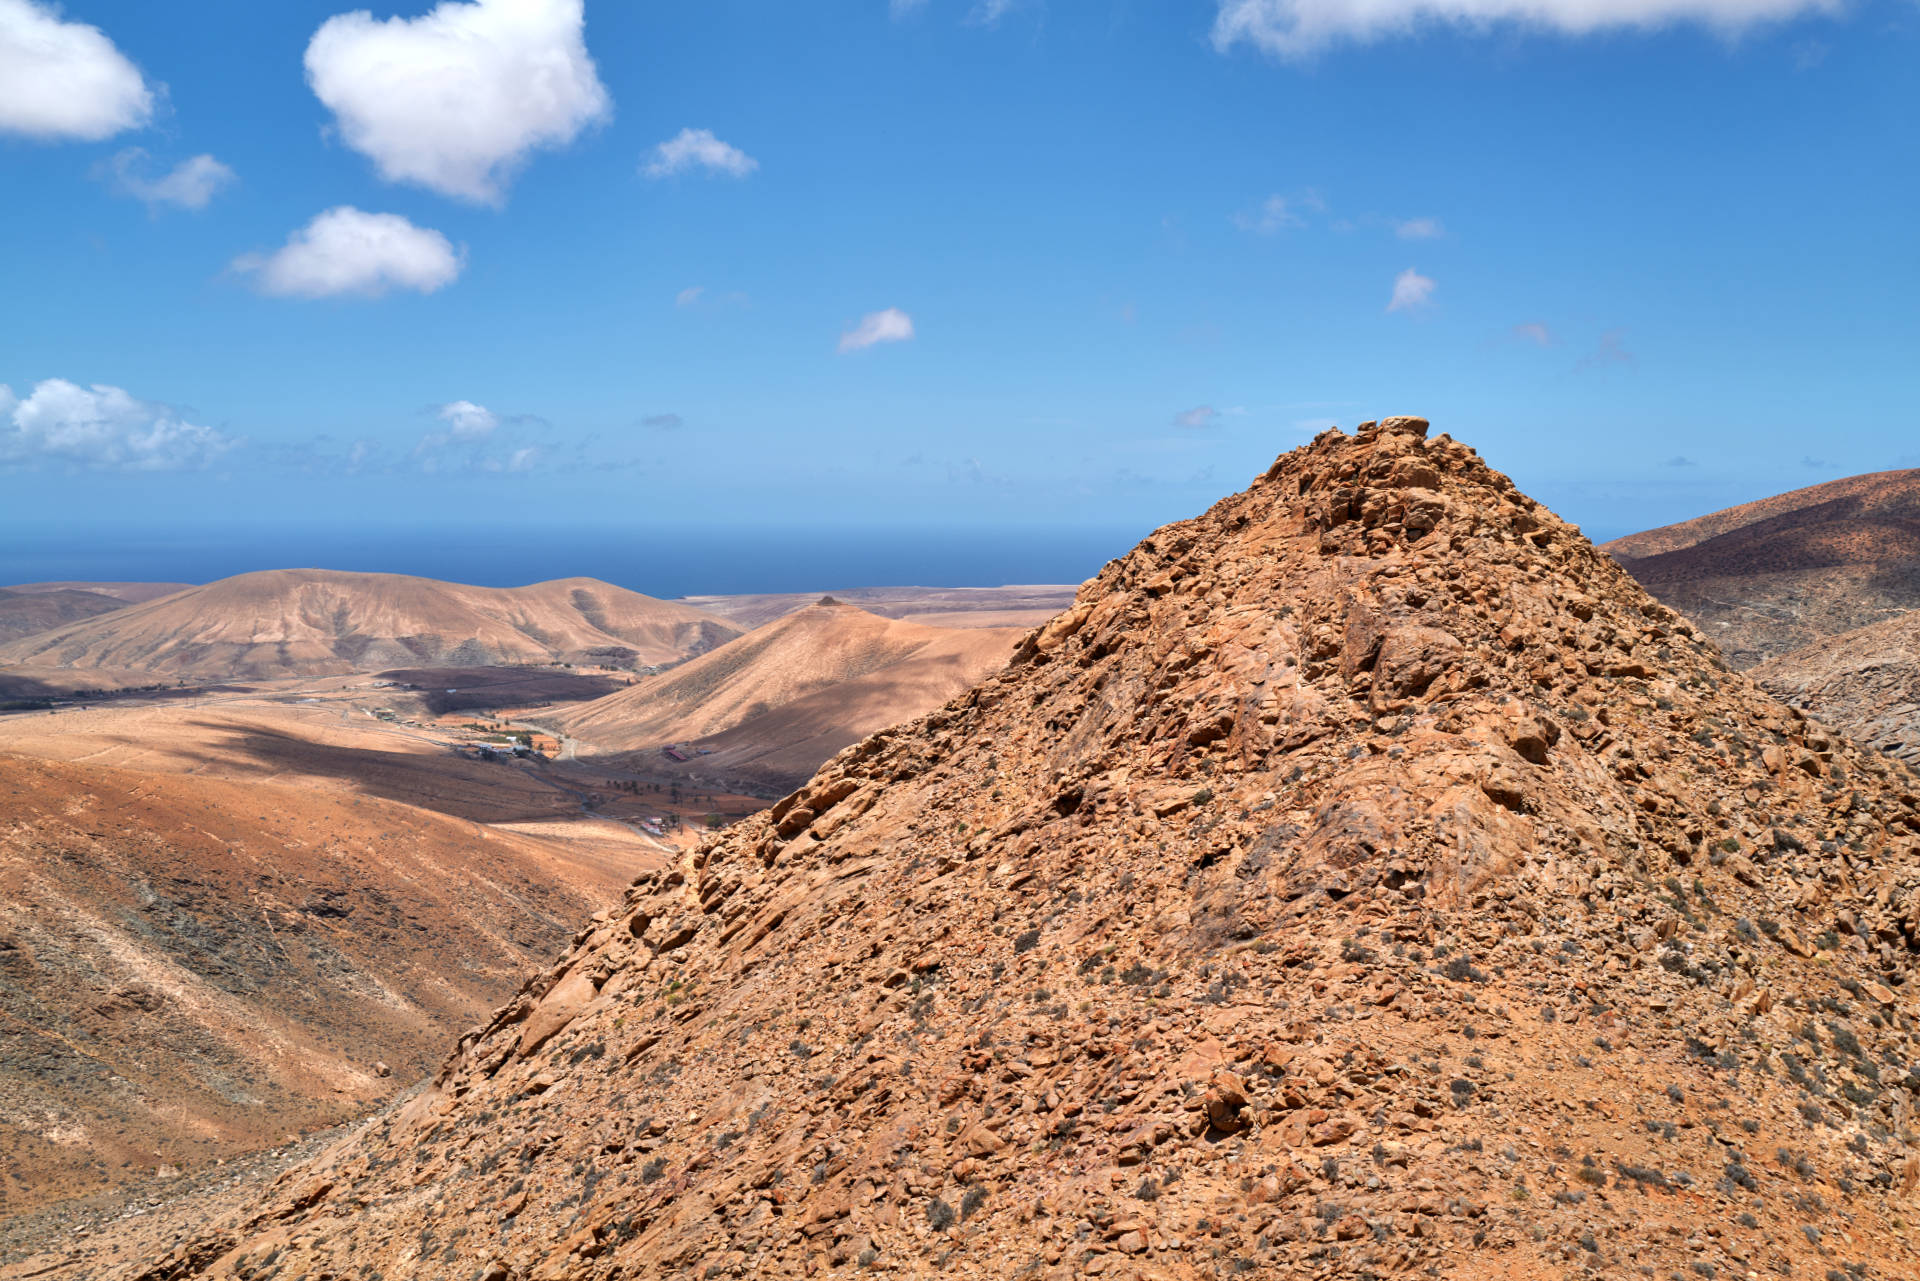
306, 622
1864, 682
125, 593
769, 707
1365, 878
192, 967
1770, 576
1022, 606
25, 613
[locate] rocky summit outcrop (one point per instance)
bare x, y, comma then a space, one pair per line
1365, 878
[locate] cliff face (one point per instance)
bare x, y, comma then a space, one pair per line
1363, 878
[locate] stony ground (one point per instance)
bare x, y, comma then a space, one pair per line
1866, 682
1363, 879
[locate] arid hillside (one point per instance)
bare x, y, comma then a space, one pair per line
1771, 576
25, 613
1365, 878
300, 622
126, 593
1865, 683
770, 706
934, 606
191, 968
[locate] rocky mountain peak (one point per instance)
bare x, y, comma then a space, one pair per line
1364, 877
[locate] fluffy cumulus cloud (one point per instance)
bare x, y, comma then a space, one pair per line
692, 149
1298, 28
455, 100
1197, 417
102, 428
191, 184
63, 80
346, 251
891, 325
466, 420
1411, 291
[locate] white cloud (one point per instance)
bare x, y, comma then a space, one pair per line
987, 13
456, 99
190, 185
902, 8
1534, 332
1298, 28
345, 251
1419, 229
1274, 213
698, 149
1411, 291
103, 428
65, 80
689, 296
466, 420
891, 325
1197, 417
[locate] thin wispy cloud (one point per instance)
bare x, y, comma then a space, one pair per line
1535, 332
1198, 417
1411, 291
698, 149
1611, 350
1419, 229
101, 428
689, 296
346, 252
457, 99
1300, 28
663, 422
987, 13
1274, 214
191, 184
891, 325
473, 440
64, 81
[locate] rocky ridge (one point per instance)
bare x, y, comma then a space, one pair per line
1364, 878
1768, 577
1866, 682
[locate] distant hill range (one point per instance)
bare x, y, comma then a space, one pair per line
29, 608
1017, 606
192, 967
1768, 577
1866, 682
309, 622
769, 707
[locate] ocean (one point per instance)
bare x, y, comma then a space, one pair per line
665, 562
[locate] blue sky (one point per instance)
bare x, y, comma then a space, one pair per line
947, 263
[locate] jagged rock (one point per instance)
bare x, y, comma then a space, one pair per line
1346, 885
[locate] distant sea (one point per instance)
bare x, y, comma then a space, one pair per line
660, 562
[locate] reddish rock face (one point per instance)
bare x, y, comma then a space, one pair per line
1364, 878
